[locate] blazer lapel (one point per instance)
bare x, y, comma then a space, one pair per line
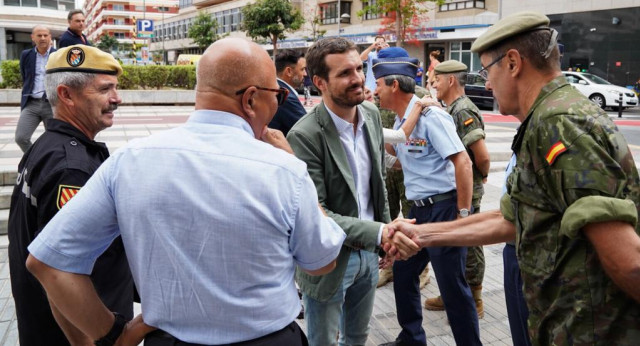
336, 149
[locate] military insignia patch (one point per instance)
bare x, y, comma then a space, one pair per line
468, 122
555, 151
75, 57
65, 193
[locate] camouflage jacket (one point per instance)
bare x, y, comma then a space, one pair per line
470, 129
573, 168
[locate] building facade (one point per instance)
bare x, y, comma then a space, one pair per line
18, 17
117, 18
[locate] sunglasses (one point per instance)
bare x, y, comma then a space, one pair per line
281, 93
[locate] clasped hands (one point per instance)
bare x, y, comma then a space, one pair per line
397, 244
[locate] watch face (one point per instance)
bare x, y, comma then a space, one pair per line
464, 212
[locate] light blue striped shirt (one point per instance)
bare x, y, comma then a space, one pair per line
213, 222
38, 81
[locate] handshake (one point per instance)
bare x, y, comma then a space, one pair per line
400, 240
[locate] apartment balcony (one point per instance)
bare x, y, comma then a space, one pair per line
207, 3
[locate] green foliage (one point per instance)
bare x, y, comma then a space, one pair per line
271, 19
107, 43
11, 77
130, 78
401, 15
203, 32
154, 76
182, 77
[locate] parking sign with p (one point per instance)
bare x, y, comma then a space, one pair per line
145, 27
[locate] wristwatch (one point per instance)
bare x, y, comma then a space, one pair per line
464, 212
113, 335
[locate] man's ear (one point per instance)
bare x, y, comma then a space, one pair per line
514, 62
248, 102
320, 83
65, 95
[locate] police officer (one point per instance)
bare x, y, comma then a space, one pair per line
437, 177
81, 85
572, 198
450, 78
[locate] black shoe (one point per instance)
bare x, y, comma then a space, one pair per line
393, 343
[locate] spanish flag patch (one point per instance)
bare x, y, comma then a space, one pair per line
555, 151
468, 122
65, 193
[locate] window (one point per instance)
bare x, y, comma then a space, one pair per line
118, 21
368, 14
452, 5
329, 12
228, 20
53, 4
461, 51
118, 35
118, 7
185, 3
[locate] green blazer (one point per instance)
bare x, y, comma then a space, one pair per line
315, 140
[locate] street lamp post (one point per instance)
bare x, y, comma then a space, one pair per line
339, 18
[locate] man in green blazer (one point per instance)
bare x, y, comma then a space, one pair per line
341, 142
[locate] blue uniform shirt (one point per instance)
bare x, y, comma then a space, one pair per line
214, 223
427, 171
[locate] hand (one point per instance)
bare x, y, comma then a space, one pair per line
134, 332
386, 262
428, 101
276, 138
397, 244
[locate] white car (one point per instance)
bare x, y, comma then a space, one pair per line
601, 92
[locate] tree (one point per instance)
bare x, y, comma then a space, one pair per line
314, 24
204, 30
107, 43
401, 17
271, 19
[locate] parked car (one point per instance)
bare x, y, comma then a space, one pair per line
476, 91
600, 91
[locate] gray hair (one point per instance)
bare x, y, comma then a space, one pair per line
461, 77
533, 46
405, 83
76, 80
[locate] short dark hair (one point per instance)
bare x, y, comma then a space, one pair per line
316, 62
380, 36
74, 12
405, 83
286, 57
531, 45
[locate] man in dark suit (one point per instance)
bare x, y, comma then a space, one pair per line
341, 142
291, 69
34, 105
74, 34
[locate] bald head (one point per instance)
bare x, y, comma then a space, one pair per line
41, 37
39, 27
231, 64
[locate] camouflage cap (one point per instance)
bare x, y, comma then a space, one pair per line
450, 66
81, 58
510, 26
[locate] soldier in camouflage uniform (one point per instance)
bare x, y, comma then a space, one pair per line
573, 197
450, 78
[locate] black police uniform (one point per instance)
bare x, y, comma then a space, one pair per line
50, 173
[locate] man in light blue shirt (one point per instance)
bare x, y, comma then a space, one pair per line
438, 180
214, 221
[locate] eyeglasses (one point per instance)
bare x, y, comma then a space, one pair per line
484, 73
281, 93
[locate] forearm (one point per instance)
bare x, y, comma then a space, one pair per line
618, 248
365, 53
464, 179
73, 334
75, 298
411, 121
476, 230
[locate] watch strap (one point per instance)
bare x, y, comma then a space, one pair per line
115, 332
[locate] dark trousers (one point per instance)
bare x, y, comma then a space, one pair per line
289, 335
449, 267
517, 310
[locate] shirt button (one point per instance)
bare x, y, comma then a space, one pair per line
73, 143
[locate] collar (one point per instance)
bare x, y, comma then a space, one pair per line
343, 125
407, 110
59, 126
213, 117
45, 55
73, 33
288, 86
546, 90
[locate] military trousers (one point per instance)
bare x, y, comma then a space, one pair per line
449, 267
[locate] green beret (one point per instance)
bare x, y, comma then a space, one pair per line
509, 26
81, 58
450, 66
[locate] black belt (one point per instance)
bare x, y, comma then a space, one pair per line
431, 200
160, 337
39, 99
